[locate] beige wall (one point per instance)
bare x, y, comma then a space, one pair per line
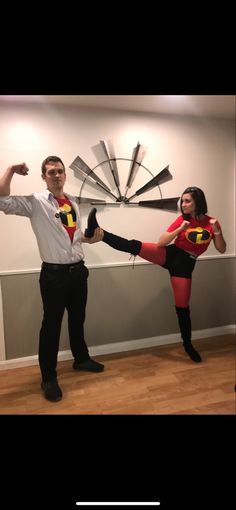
199, 152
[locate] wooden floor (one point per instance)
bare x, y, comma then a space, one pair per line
158, 380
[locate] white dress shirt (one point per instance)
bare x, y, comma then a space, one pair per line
53, 240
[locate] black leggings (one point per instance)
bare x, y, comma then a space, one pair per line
178, 262
180, 265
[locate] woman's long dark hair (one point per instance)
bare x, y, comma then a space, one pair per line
199, 199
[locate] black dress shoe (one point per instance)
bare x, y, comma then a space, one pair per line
52, 390
92, 223
90, 365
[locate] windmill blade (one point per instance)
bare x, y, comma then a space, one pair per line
86, 200
138, 154
95, 201
80, 166
168, 204
110, 154
163, 176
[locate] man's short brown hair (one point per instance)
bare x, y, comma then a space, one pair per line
54, 159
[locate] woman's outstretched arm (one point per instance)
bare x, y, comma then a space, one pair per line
167, 237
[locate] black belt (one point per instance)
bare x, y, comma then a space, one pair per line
62, 267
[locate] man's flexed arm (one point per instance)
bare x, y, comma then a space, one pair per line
5, 180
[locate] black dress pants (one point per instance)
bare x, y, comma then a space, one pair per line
62, 287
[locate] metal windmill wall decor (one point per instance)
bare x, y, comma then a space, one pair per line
78, 165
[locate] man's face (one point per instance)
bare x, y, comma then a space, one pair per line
54, 176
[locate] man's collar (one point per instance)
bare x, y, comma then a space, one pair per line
49, 195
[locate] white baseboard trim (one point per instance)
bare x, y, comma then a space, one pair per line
130, 345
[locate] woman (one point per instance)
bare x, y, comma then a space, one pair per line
192, 233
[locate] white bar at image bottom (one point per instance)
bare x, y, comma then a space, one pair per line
118, 503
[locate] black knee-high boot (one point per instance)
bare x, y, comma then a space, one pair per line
186, 332
119, 243
122, 244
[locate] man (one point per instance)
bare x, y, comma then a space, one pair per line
55, 221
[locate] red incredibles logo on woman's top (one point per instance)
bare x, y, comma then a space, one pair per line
198, 235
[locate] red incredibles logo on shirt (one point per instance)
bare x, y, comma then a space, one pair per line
67, 215
198, 235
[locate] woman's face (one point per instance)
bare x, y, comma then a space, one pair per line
188, 204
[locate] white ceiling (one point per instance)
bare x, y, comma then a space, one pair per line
207, 106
